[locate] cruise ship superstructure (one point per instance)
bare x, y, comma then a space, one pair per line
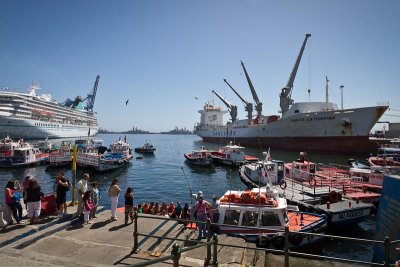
312, 126
32, 116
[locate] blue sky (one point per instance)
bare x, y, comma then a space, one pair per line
163, 54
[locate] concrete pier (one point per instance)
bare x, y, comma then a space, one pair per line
69, 242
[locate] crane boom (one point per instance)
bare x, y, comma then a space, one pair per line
232, 108
91, 97
285, 95
253, 92
248, 106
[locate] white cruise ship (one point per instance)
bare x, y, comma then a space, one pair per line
32, 116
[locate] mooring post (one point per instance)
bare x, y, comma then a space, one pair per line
286, 246
176, 254
387, 252
208, 256
135, 233
215, 251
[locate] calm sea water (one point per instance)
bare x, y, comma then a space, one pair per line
160, 177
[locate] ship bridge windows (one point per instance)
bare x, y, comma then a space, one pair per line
232, 217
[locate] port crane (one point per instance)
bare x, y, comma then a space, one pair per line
286, 94
231, 108
248, 106
90, 98
253, 92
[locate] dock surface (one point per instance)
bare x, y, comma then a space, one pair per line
69, 242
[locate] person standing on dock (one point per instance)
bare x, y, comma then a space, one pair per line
214, 212
96, 199
33, 194
13, 199
129, 207
61, 199
82, 187
200, 214
113, 193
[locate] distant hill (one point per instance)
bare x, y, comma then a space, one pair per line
139, 131
178, 131
133, 131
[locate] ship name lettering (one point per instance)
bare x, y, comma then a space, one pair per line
322, 118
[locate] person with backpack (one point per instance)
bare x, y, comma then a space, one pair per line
63, 186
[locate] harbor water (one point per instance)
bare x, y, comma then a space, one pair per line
165, 176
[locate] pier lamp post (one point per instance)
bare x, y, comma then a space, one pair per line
341, 93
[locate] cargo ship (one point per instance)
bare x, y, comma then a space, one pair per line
32, 116
303, 126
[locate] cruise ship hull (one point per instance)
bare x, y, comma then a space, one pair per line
34, 129
335, 131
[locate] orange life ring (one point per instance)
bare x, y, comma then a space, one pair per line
334, 196
312, 181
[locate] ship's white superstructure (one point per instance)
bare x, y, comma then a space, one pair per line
31, 116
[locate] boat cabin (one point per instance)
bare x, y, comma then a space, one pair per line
257, 208
301, 170
264, 172
201, 153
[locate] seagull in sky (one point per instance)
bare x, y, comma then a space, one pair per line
127, 101
196, 98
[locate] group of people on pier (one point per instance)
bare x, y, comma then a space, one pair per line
88, 200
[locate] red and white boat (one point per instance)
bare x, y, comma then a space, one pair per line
383, 161
266, 214
232, 155
199, 157
20, 154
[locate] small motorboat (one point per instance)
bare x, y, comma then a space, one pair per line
147, 148
232, 155
199, 157
118, 155
267, 214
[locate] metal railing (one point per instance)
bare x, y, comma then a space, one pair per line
212, 240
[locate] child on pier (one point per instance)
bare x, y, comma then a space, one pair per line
88, 205
129, 204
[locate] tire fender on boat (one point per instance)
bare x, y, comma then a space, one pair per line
263, 241
282, 184
278, 241
295, 239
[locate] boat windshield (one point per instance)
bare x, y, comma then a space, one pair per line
232, 217
250, 218
270, 218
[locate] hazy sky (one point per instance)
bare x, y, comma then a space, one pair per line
163, 54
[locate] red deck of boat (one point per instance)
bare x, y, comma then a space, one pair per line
250, 158
362, 195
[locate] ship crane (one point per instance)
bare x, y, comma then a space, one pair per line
248, 106
232, 108
286, 94
91, 97
253, 92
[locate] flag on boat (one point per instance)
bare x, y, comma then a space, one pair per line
88, 134
125, 139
